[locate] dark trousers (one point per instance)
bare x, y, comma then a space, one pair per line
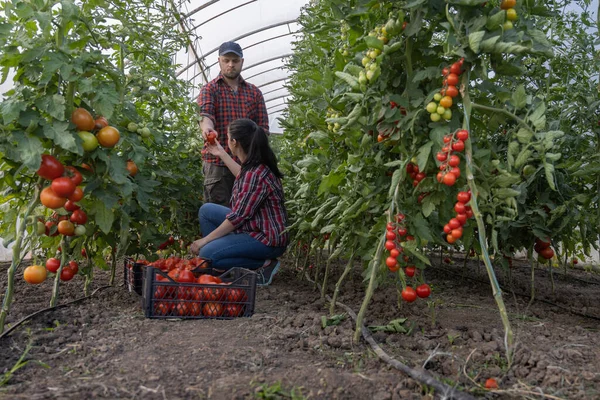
218, 184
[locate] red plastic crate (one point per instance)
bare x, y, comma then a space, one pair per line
164, 298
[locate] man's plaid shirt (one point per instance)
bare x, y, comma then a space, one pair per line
221, 104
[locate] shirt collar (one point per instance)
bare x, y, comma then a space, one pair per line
220, 77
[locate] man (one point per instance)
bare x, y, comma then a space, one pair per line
222, 100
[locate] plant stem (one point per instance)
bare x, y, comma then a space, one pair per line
18, 254
508, 334
338, 284
63, 261
113, 267
503, 111
370, 289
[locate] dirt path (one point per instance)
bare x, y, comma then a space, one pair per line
105, 348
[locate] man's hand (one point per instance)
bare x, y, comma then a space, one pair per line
208, 131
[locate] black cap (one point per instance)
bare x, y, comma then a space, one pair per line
231, 47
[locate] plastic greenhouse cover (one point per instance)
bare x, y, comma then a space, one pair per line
264, 28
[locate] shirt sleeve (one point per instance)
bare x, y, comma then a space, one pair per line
262, 116
206, 103
251, 194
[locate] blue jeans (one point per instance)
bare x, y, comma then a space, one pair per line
233, 249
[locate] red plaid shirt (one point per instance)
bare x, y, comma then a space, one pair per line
258, 208
221, 104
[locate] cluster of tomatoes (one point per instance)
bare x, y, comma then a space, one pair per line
449, 162
62, 192
454, 228
511, 13
545, 252
106, 135
442, 102
413, 171
395, 234
36, 274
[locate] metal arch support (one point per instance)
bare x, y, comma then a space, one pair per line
236, 39
264, 72
202, 7
253, 65
278, 97
280, 110
274, 90
273, 81
277, 105
223, 13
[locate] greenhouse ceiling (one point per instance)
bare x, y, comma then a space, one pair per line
264, 28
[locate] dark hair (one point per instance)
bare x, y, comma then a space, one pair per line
255, 143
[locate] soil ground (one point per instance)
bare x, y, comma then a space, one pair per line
103, 347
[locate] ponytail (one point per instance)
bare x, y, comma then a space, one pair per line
255, 143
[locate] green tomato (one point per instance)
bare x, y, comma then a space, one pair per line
365, 61
132, 126
145, 133
440, 110
508, 25
437, 97
528, 170
435, 117
432, 107
370, 74
447, 115
79, 230
40, 228
89, 140
511, 14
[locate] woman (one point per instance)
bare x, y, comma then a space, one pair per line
251, 234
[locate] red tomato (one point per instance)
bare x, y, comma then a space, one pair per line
212, 310
52, 264
77, 194
462, 218
450, 239
75, 175
462, 134
208, 279
50, 199
389, 245
547, 253
410, 271
211, 137
452, 79
163, 307
449, 179
82, 119
50, 168
79, 217
100, 122
212, 294
50, 228
459, 145
71, 206
423, 291
454, 160
456, 68
447, 228
408, 294
108, 136
233, 310
390, 235
451, 91
66, 274
457, 233
463, 197
469, 212
491, 383
235, 295
74, 267
63, 186
394, 253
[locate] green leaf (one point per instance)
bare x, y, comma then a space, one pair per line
549, 170
523, 157
59, 132
427, 206
505, 193
30, 150
53, 105
349, 79
105, 101
538, 117
427, 73
519, 97
103, 216
414, 3
475, 39
374, 43
494, 21
467, 2
11, 109
524, 136
423, 155
392, 48
395, 181
331, 182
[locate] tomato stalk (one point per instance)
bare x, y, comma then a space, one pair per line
338, 284
375, 263
331, 256
63, 262
89, 276
18, 254
508, 334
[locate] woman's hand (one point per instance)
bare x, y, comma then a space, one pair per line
215, 149
197, 245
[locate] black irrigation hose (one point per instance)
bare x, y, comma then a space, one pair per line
421, 376
528, 296
49, 309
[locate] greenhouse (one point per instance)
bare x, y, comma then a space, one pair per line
298, 199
